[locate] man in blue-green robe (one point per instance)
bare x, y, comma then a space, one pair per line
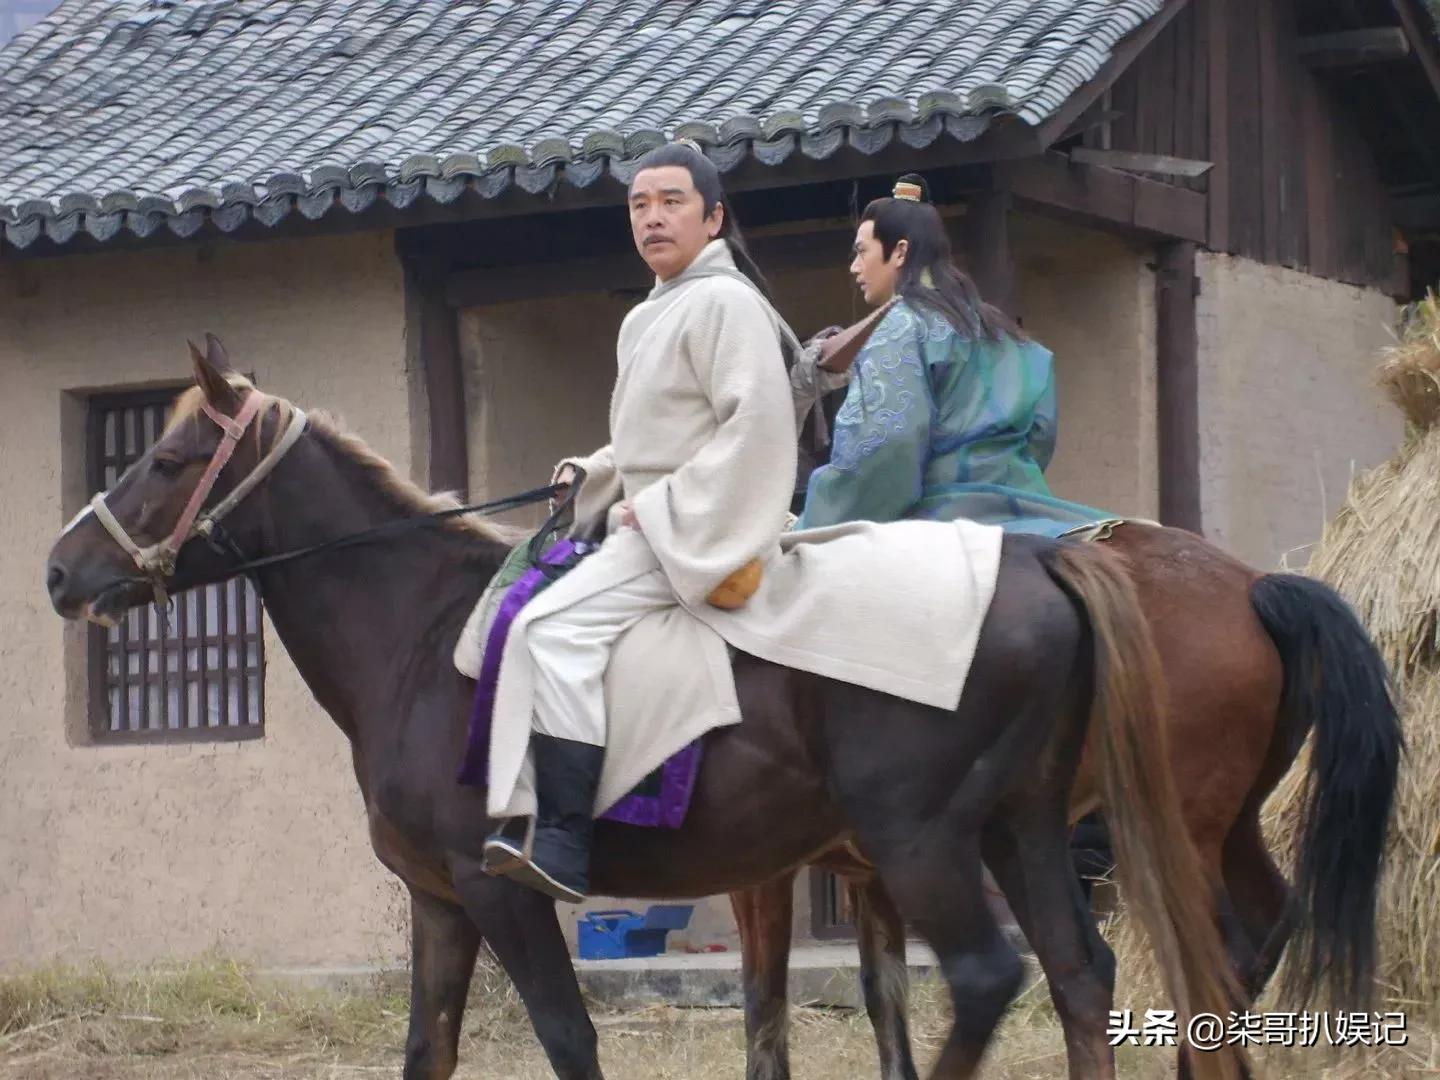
941, 425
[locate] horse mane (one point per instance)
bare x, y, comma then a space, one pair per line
386, 478
403, 492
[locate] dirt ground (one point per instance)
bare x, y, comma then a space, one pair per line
217, 1022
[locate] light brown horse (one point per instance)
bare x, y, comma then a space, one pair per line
1252, 662
371, 628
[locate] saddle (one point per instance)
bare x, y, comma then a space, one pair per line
662, 798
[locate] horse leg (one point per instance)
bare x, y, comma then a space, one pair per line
918, 809
942, 894
884, 976
443, 946
925, 846
762, 915
1264, 902
523, 931
1234, 936
1028, 853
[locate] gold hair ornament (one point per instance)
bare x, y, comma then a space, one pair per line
908, 191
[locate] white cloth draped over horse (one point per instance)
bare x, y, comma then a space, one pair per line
704, 449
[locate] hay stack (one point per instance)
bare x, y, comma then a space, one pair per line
1382, 552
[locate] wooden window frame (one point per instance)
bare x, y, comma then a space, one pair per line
155, 401
824, 907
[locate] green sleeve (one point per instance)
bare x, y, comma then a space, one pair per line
1043, 423
882, 432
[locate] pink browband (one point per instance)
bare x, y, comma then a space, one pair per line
234, 430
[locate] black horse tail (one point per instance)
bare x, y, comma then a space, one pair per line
1336, 680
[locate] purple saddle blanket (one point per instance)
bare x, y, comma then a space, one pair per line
660, 800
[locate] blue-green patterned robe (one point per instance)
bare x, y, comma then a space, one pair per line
939, 425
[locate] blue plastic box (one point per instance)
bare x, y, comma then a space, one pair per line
610, 935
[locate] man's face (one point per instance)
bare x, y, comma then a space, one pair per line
876, 275
667, 217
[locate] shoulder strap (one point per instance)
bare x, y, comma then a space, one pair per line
839, 352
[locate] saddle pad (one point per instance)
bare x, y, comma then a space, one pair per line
1098, 531
662, 798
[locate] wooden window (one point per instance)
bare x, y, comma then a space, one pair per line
831, 915
196, 671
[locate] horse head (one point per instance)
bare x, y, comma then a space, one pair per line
138, 541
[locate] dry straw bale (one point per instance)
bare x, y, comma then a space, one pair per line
1382, 552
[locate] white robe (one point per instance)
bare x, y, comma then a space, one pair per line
704, 447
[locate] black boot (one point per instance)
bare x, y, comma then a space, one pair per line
567, 774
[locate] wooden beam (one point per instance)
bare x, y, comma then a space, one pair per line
1419, 30
1090, 121
1417, 211
618, 272
1053, 183
1177, 386
623, 269
436, 326
985, 248
1354, 48
1128, 161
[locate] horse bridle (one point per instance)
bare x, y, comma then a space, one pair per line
157, 561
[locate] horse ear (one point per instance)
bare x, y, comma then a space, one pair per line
211, 380
216, 354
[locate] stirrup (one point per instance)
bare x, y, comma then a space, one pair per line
510, 847
531, 875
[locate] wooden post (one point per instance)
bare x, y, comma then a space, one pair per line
1178, 408
985, 248
437, 325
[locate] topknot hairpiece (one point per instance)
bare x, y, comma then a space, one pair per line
685, 140
908, 191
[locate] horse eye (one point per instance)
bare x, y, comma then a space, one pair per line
166, 466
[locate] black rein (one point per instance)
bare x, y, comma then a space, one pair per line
219, 537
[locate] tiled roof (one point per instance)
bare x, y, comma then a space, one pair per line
143, 114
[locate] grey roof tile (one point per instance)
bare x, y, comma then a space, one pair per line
143, 114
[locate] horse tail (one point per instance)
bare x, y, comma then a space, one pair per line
1336, 680
1161, 874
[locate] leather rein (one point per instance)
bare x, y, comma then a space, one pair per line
157, 561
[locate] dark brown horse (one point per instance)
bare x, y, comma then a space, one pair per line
371, 628
1252, 663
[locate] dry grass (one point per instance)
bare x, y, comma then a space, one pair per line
215, 1020
1410, 369
1382, 552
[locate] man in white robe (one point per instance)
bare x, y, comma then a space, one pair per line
705, 334
695, 487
